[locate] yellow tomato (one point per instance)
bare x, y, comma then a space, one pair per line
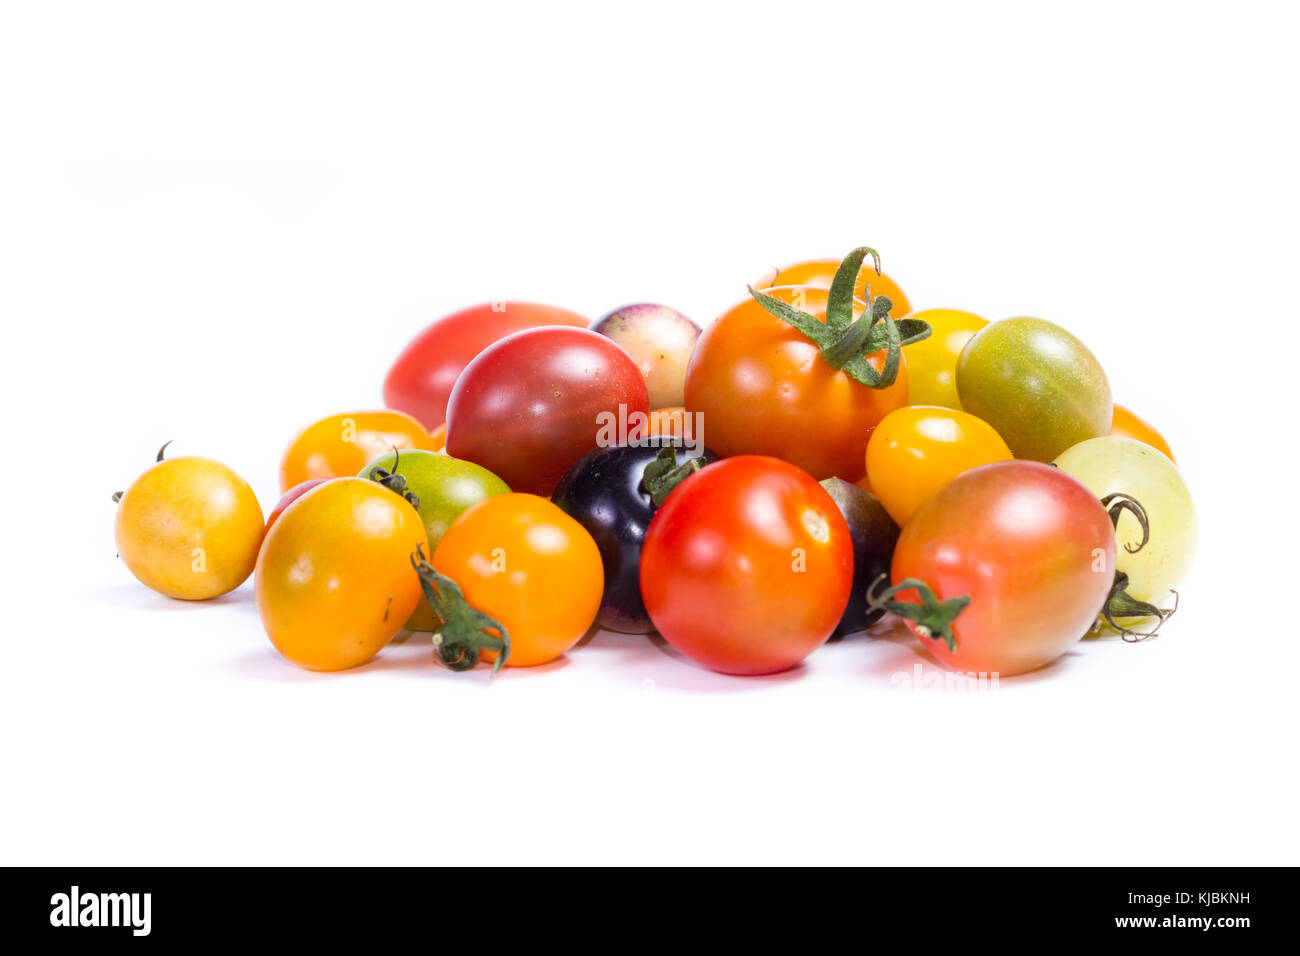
932, 362
189, 528
334, 579
341, 445
915, 451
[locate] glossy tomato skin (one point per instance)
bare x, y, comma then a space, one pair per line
916, 450
1035, 383
764, 389
339, 446
660, 340
334, 581
521, 560
1127, 424
534, 403
874, 535
1032, 547
932, 362
603, 491
747, 565
819, 273
1114, 464
420, 381
189, 528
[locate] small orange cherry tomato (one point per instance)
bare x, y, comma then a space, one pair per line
669, 422
334, 580
916, 451
189, 528
1128, 425
521, 560
818, 273
341, 445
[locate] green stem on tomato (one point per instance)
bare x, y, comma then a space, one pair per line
933, 618
663, 474
1119, 603
464, 634
845, 342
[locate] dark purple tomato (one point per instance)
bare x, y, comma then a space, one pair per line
605, 492
874, 535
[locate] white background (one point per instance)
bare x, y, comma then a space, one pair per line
220, 222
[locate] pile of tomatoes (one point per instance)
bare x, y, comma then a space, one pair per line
817, 457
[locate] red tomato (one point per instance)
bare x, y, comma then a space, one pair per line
534, 403
764, 389
292, 495
747, 565
420, 381
1032, 548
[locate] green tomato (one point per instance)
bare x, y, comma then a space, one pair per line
444, 487
1113, 464
1036, 384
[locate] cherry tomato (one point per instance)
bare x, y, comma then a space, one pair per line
341, 445
747, 565
524, 562
607, 490
420, 381
1126, 424
873, 534
660, 340
533, 403
668, 422
764, 389
818, 273
916, 450
1031, 548
439, 437
443, 487
932, 362
189, 528
334, 581
290, 496
1035, 383
1155, 562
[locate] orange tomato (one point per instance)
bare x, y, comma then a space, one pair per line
439, 437
668, 422
1128, 425
334, 580
916, 451
341, 445
818, 273
523, 561
189, 528
764, 389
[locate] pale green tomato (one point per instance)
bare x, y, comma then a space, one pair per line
1113, 464
1036, 384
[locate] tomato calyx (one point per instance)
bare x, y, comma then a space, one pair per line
463, 636
393, 481
1119, 603
933, 618
844, 342
663, 474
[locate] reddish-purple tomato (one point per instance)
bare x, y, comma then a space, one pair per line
534, 403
